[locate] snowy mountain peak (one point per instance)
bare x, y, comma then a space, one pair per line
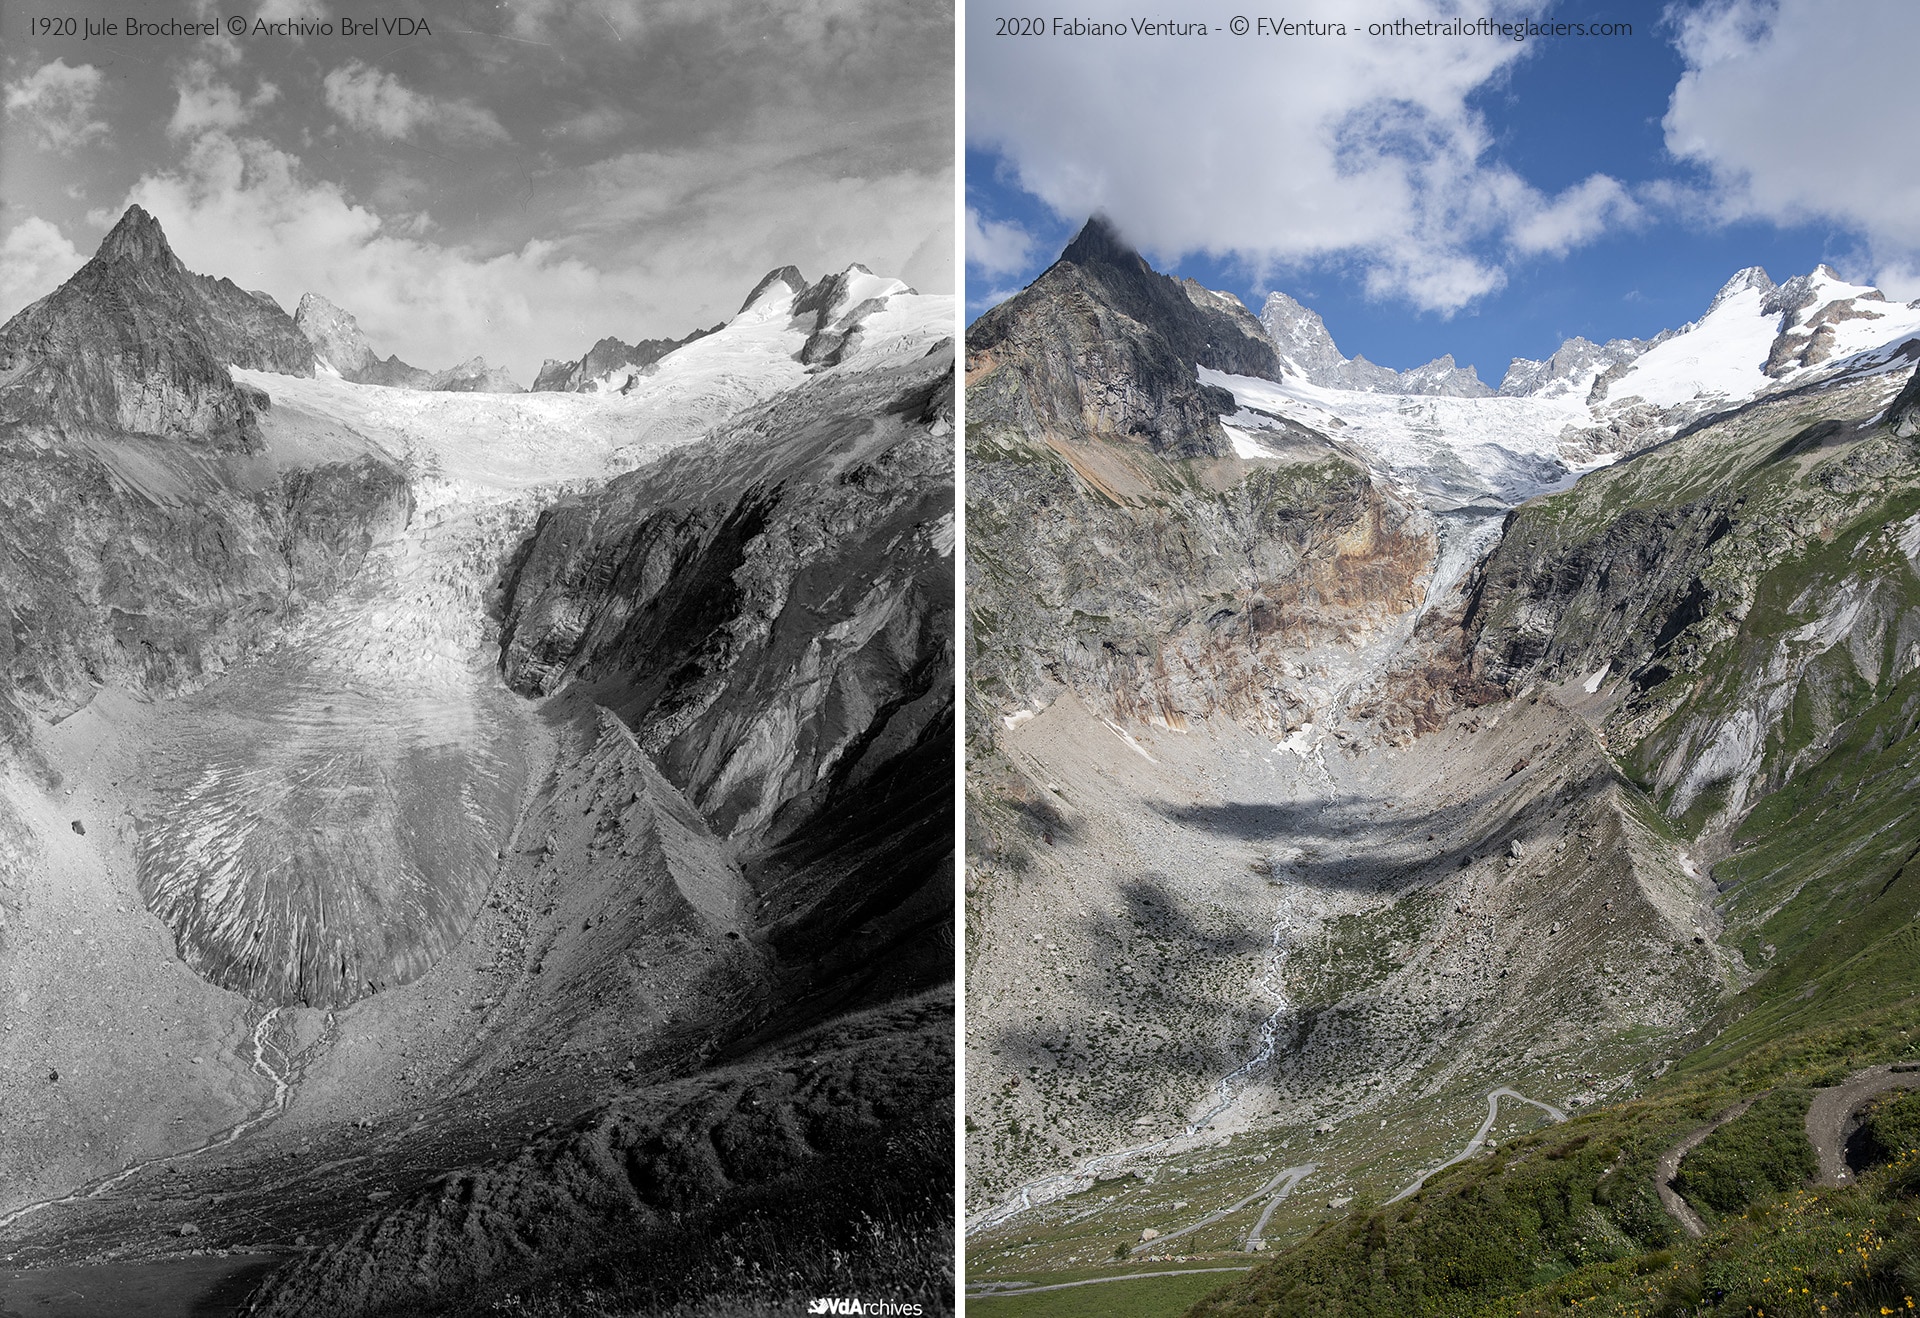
335, 335
1753, 277
784, 282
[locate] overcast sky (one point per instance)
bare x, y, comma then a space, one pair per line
525, 180
1478, 195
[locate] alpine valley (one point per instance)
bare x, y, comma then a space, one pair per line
465, 849
1439, 848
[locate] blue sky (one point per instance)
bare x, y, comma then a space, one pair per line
519, 181
1557, 184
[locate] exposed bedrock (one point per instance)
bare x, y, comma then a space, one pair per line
1101, 345
135, 342
1177, 604
146, 564
706, 601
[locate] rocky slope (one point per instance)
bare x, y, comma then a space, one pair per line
610, 364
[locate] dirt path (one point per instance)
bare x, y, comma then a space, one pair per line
264, 1052
1284, 1181
1479, 1136
1258, 1236
1833, 1109
1827, 1121
992, 1289
1669, 1167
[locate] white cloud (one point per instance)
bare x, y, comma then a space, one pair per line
1801, 112
374, 102
1281, 150
205, 102
998, 247
242, 208
57, 101
35, 259
279, 11
1580, 214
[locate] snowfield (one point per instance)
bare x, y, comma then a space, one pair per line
1471, 451
512, 442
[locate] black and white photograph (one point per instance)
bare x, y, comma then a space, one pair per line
477, 690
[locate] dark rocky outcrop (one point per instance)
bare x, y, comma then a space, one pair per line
1100, 344
707, 602
607, 358
136, 343
1903, 414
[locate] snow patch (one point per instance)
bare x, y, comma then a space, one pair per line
1127, 737
1016, 718
1592, 683
1244, 445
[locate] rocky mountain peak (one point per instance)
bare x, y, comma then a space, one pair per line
135, 342
334, 333
137, 237
1300, 335
1303, 341
1100, 243
786, 274
1752, 277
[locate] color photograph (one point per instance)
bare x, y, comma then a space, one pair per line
1443, 590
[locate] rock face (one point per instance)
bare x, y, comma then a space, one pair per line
1101, 345
335, 336
1307, 349
1117, 551
339, 342
1738, 649
135, 343
1903, 416
706, 601
610, 363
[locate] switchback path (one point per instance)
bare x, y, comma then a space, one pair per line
1669, 1167
1833, 1108
991, 1289
1479, 1136
1291, 1176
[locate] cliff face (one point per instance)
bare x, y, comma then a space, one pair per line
1695, 584
136, 343
1101, 345
139, 565
770, 612
1118, 548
